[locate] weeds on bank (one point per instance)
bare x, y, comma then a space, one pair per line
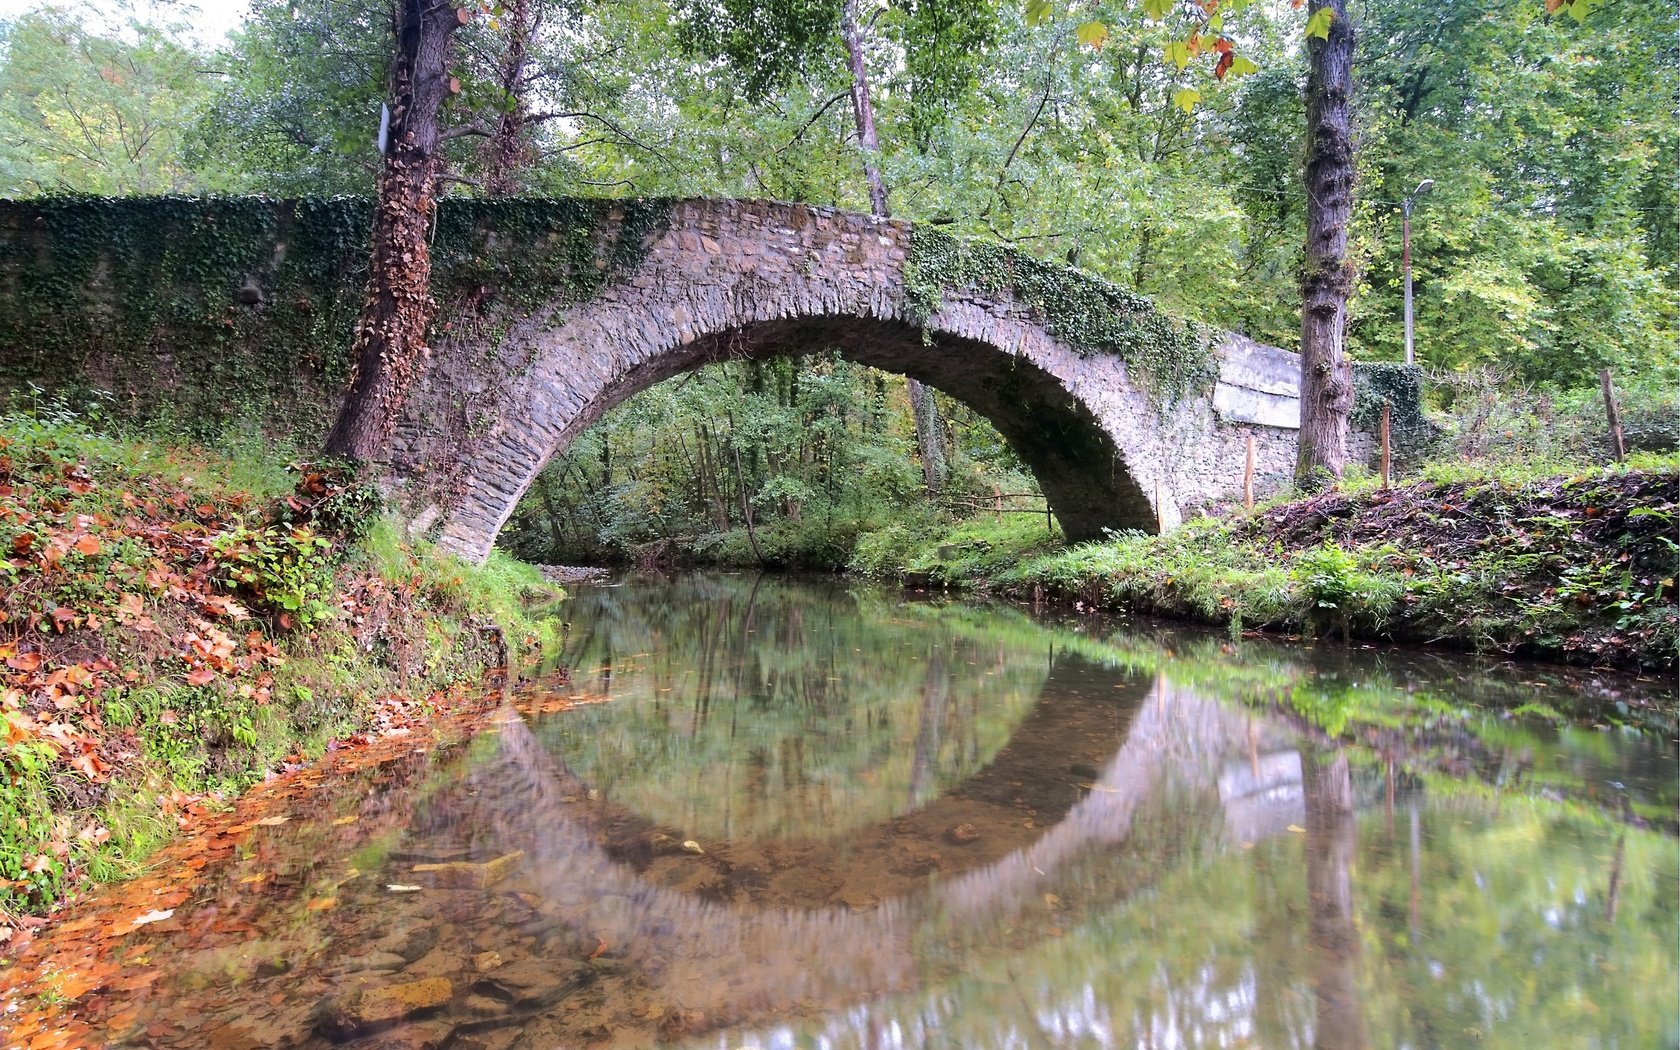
168, 635
1580, 566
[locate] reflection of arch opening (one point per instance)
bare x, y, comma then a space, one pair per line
519, 799
1033, 762
706, 670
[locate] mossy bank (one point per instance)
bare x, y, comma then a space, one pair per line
1577, 567
175, 624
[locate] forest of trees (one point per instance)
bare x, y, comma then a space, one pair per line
1546, 251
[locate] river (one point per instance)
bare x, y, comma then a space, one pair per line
785, 813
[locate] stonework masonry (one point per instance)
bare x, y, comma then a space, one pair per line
747, 279
511, 382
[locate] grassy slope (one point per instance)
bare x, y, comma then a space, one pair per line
175, 624
1578, 567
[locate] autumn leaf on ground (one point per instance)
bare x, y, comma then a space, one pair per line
223, 606
91, 766
153, 916
270, 822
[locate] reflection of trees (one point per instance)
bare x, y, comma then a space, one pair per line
1435, 714
759, 708
936, 690
1331, 842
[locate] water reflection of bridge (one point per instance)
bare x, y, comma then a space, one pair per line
1202, 771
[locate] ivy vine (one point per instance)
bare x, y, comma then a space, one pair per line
1400, 386
1170, 359
240, 310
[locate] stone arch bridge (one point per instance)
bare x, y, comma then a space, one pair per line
1128, 419
554, 311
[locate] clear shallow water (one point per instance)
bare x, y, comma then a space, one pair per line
814, 815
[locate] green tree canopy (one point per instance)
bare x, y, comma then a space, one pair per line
85, 111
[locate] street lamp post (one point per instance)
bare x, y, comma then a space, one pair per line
1406, 253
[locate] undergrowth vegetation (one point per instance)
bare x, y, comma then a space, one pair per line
1578, 567
176, 623
1507, 534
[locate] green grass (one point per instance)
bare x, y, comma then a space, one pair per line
306, 625
955, 555
1536, 583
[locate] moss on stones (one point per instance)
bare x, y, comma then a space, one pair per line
222, 310
1171, 359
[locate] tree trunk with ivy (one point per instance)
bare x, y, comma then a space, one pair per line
923, 409
389, 348
1327, 273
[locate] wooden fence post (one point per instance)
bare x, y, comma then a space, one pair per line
1248, 476
1385, 459
997, 501
1610, 411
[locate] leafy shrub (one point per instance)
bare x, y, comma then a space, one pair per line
288, 570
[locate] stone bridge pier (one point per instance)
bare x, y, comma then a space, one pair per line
1128, 419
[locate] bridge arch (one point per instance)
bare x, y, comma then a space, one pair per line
1116, 437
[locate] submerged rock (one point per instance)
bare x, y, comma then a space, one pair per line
363, 1009
409, 944
527, 984
377, 960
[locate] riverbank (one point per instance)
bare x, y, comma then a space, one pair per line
1576, 568
588, 869
177, 625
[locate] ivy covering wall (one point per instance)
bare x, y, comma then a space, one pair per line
1173, 359
237, 311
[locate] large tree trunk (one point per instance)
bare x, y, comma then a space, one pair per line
509, 148
1327, 274
390, 342
1332, 852
929, 434
863, 110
